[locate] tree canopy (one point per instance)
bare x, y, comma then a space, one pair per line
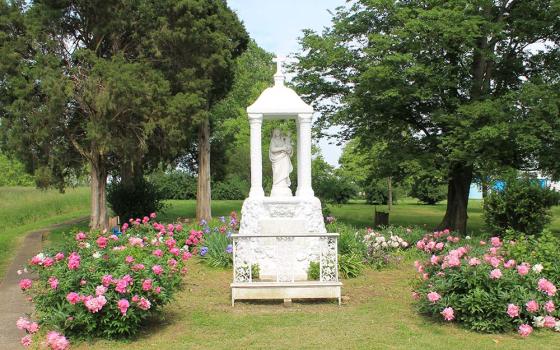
115, 85
471, 84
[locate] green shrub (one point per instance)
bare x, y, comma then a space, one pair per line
429, 189
536, 249
377, 192
480, 286
233, 188
523, 205
350, 265
81, 291
135, 199
175, 184
314, 271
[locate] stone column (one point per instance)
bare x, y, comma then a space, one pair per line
298, 155
255, 121
304, 156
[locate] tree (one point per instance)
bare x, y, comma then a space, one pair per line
112, 84
471, 84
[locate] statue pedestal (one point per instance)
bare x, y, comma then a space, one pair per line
272, 216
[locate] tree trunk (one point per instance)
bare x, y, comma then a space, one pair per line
98, 174
389, 193
460, 177
203, 210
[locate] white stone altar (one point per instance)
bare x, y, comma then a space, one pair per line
281, 234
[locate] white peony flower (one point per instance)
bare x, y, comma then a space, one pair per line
19, 272
537, 268
538, 321
557, 326
87, 245
467, 237
96, 255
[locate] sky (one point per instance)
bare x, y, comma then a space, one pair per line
276, 26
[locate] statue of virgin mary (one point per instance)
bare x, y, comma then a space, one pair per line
279, 153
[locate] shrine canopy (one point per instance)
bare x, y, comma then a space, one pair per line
279, 101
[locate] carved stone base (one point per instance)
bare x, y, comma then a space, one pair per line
282, 259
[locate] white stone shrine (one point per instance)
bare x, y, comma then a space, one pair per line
281, 235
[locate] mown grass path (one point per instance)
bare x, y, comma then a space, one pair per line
378, 313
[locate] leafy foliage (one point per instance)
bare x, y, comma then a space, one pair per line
484, 288
174, 184
522, 205
452, 82
13, 173
233, 187
329, 185
131, 200
79, 288
429, 189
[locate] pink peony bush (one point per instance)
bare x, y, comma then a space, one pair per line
104, 284
479, 285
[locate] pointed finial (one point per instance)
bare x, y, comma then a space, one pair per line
279, 76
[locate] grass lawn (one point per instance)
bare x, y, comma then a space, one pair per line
378, 314
23, 209
378, 311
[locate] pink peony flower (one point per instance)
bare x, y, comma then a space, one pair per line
26, 341
129, 259
22, 323
172, 262
549, 322
136, 242
48, 262
100, 290
123, 305
57, 341
121, 286
433, 297
513, 310
175, 251
495, 274
157, 269
157, 290
525, 330
547, 287
415, 296
135, 298
152, 215
53, 282
32, 327
74, 261
102, 242
138, 267
158, 253
532, 306
179, 228
80, 236
448, 314
106, 280
434, 259
147, 285
59, 256
522, 269
509, 264
186, 256
73, 298
474, 261
439, 246
495, 241
95, 304
144, 304
495, 262
25, 284
549, 306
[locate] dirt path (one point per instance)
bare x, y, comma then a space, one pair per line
12, 301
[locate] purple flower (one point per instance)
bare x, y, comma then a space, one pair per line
222, 219
203, 222
229, 249
203, 251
